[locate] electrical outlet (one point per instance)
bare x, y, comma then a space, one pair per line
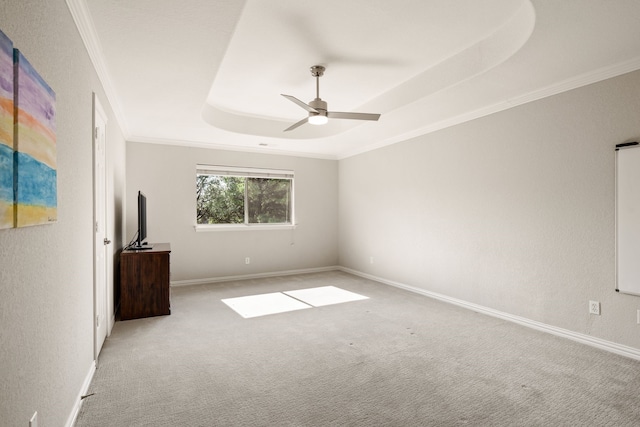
370, 260
247, 260
33, 422
594, 307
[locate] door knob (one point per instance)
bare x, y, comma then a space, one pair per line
106, 241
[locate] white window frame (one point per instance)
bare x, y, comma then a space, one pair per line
247, 173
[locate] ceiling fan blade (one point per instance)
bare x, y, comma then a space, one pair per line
352, 116
298, 124
300, 103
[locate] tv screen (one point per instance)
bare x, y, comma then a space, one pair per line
142, 218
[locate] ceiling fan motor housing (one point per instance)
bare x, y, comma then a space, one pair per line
319, 105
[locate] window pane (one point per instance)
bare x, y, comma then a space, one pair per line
220, 199
269, 200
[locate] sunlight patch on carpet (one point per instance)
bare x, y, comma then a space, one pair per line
281, 302
325, 295
261, 305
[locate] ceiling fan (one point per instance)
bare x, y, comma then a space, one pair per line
318, 113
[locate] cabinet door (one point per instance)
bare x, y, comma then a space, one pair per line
154, 284
129, 285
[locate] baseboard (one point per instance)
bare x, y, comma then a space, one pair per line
609, 346
83, 391
178, 283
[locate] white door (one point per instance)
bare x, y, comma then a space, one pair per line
101, 240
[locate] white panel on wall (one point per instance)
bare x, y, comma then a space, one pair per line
628, 218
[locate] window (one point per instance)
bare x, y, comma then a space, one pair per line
243, 197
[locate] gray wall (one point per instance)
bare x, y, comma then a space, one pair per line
166, 174
46, 272
514, 211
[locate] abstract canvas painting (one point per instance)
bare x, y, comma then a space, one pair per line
35, 173
6, 132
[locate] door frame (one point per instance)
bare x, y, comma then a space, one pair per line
100, 296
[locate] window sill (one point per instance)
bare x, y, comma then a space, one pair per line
243, 227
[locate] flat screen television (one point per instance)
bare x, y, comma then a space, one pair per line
142, 223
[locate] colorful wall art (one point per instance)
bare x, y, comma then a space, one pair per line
6, 132
35, 174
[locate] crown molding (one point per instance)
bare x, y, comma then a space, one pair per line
86, 28
229, 147
576, 82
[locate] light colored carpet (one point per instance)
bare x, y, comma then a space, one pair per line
395, 359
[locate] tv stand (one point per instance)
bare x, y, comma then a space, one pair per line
144, 281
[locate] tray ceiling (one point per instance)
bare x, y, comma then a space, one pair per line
210, 74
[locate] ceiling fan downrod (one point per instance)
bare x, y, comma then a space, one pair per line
317, 71
319, 117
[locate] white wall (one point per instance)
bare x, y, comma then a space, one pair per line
514, 211
46, 272
166, 174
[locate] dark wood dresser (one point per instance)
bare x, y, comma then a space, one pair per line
144, 282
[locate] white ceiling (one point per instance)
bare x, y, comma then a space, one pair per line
210, 73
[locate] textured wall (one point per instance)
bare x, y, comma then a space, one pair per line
46, 273
166, 174
514, 211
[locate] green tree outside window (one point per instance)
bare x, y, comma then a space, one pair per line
242, 200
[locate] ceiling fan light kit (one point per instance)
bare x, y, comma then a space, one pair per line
317, 109
317, 119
